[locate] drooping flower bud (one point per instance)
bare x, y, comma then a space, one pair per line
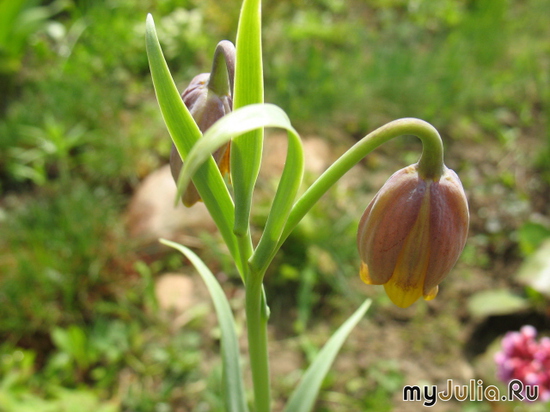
208, 98
412, 233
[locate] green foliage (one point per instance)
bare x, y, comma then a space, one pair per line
151, 358
49, 146
185, 133
110, 126
303, 397
385, 379
531, 236
235, 400
65, 248
246, 150
496, 302
367, 63
18, 376
316, 262
19, 20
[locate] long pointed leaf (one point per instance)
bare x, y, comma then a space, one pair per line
246, 150
303, 397
282, 204
228, 127
185, 133
232, 375
234, 124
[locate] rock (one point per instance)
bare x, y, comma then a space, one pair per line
318, 155
151, 213
175, 292
183, 299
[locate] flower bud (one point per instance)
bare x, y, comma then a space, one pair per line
206, 107
412, 233
208, 99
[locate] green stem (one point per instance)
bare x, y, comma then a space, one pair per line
430, 164
256, 320
245, 247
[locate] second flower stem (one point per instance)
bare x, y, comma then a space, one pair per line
430, 164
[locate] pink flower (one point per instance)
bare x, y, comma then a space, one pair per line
523, 358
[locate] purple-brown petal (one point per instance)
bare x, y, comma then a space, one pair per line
387, 223
449, 219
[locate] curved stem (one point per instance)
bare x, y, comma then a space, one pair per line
430, 164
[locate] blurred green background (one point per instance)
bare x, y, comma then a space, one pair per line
81, 325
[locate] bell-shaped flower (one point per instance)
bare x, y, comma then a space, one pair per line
208, 98
412, 233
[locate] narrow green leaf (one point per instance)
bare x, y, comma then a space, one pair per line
303, 397
234, 124
282, 204
246, 150
185, 133
232, 375
227, 128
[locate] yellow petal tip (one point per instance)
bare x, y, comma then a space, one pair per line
364, 274
400, 296
432, 293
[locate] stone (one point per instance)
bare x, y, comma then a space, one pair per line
318, 155
175, 292
151, 213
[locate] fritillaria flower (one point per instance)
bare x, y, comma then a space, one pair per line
412, 233
208, 98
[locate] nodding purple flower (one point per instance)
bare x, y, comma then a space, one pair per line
523, 357
412, 233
